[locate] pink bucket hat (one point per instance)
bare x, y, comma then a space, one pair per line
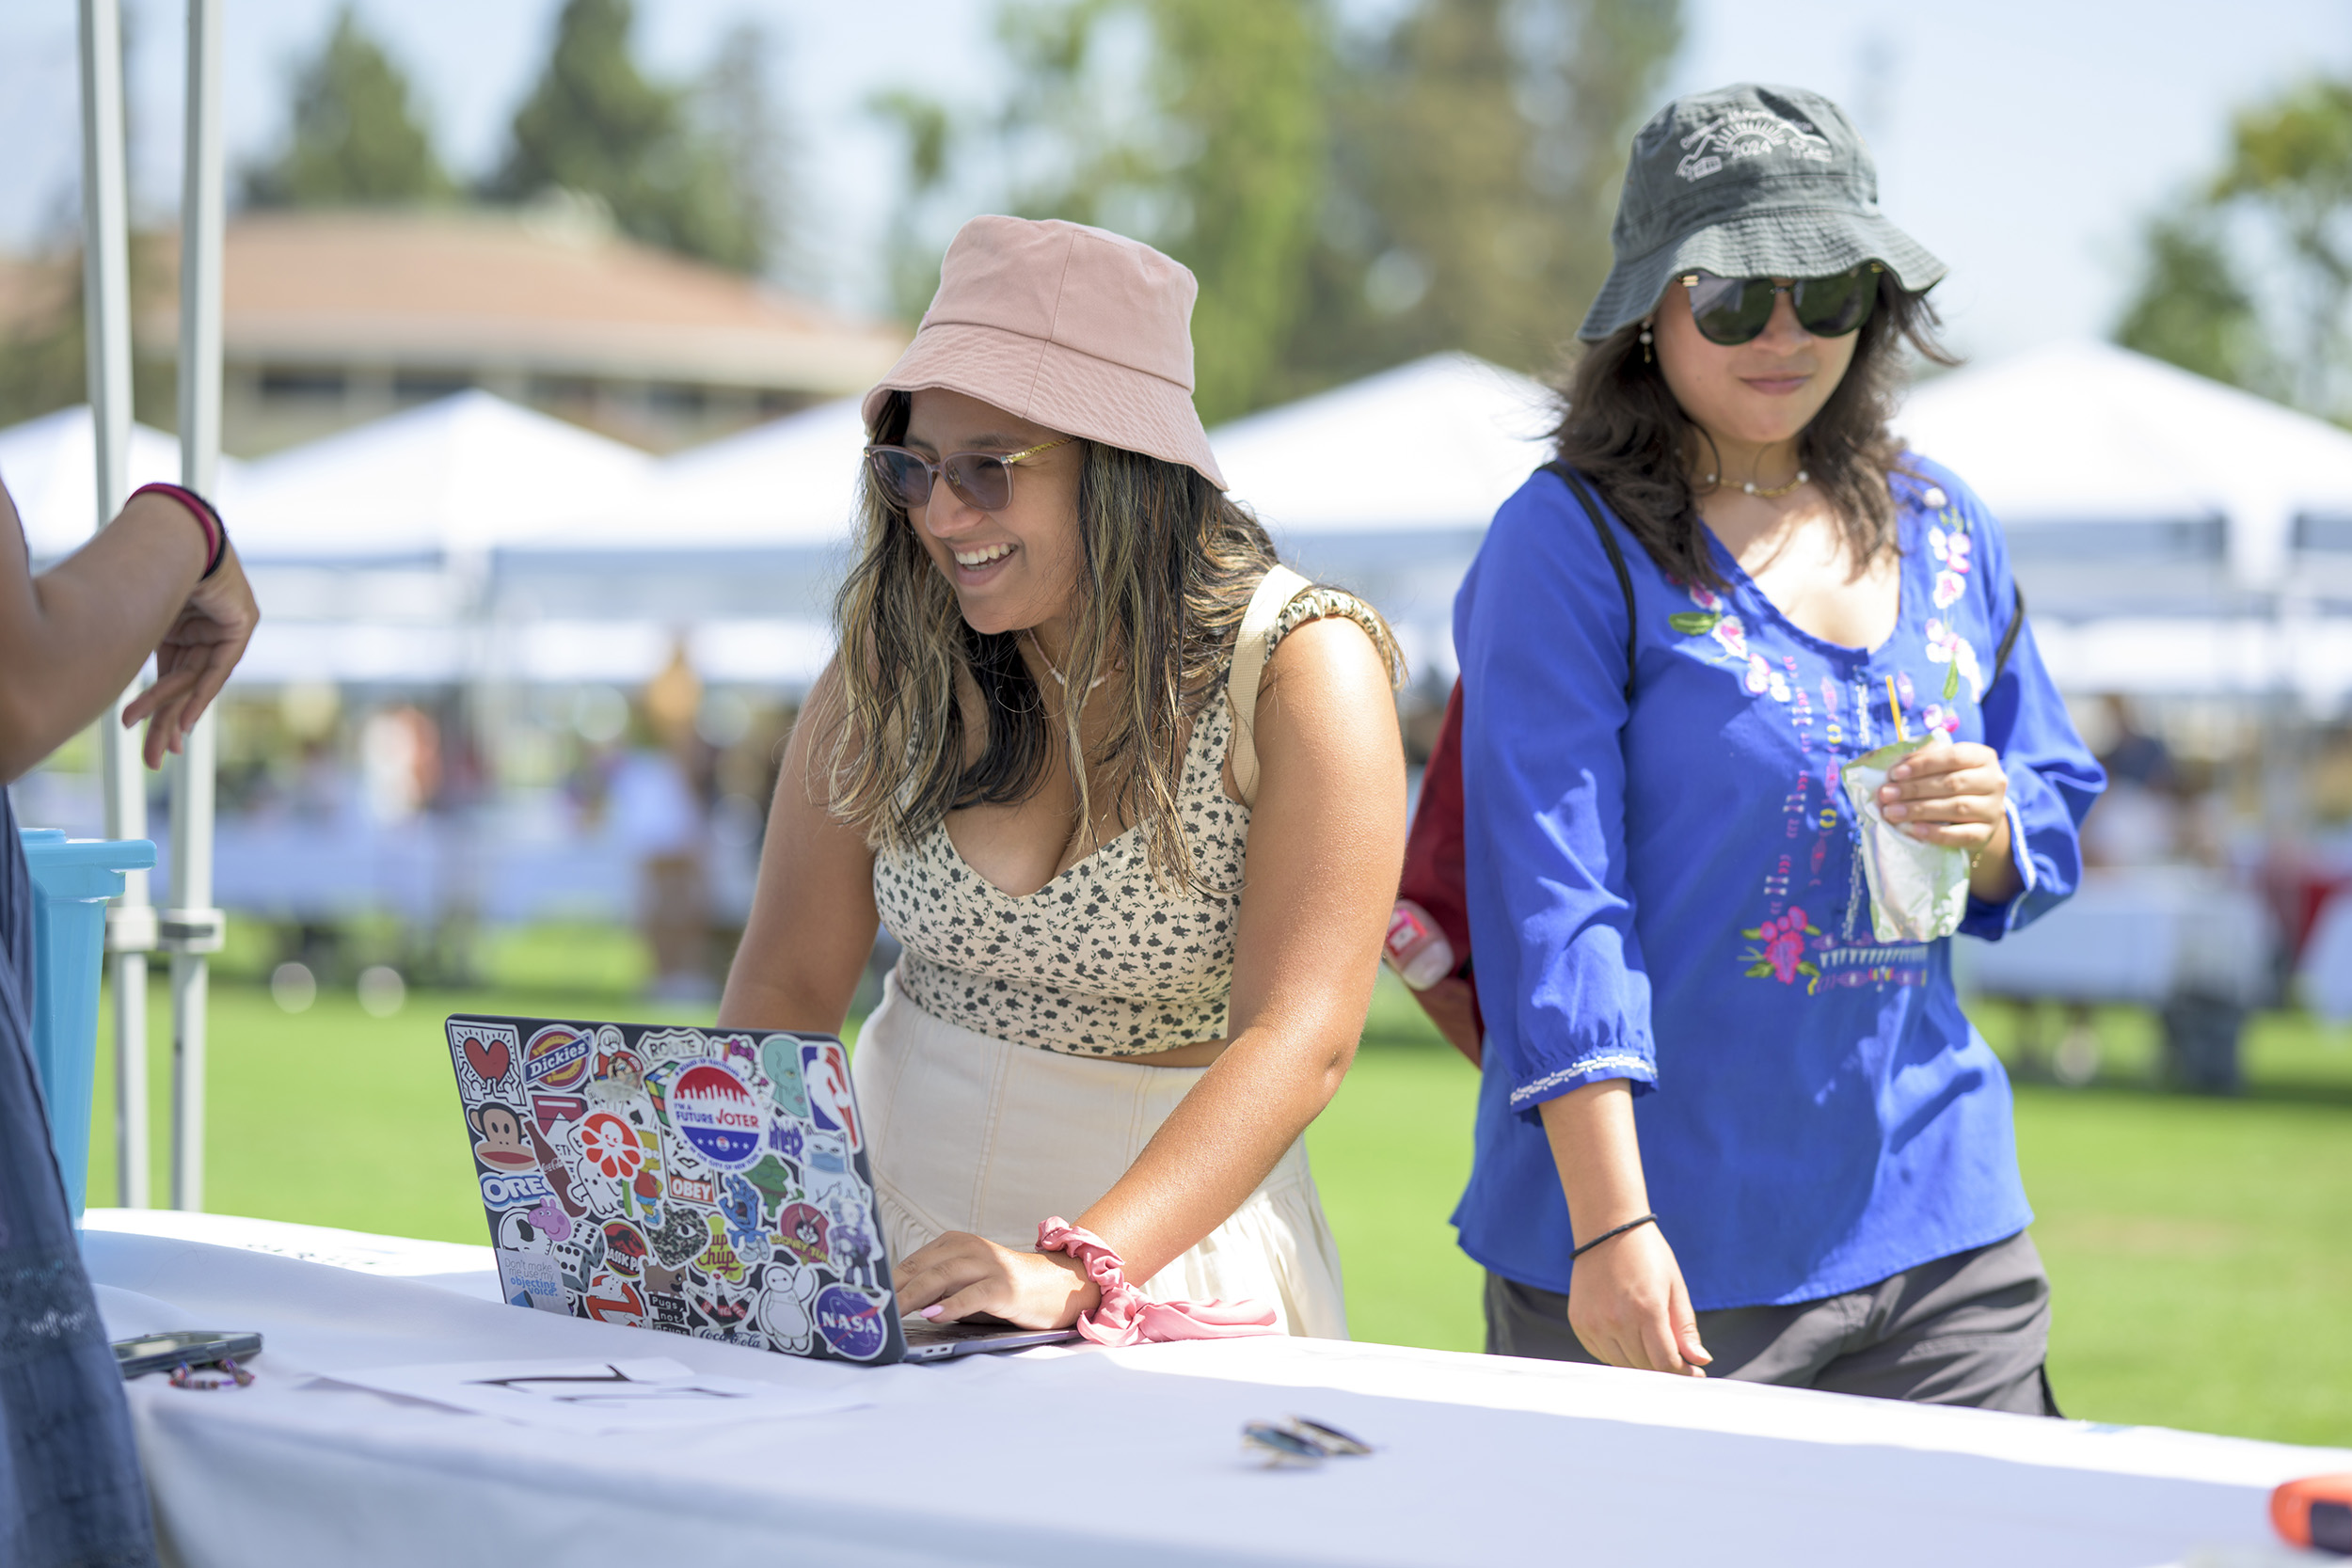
1078, 329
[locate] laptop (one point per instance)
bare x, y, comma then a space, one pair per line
702, 1181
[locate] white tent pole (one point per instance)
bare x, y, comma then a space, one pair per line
106, 319
193, 927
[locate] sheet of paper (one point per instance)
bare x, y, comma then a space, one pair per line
649, 1394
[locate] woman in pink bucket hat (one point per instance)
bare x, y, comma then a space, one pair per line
1128, 792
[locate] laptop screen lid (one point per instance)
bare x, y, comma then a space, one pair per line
703, 1181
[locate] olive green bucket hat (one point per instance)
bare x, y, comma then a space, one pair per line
1748, 182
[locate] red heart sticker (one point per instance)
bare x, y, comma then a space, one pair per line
489, 1062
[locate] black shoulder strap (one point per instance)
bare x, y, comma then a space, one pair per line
1616, 558
2009, 638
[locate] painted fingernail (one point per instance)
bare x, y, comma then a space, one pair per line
934, 1311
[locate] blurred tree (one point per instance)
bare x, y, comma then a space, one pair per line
2250, 280
596, 125
356, 139
1480, 148
2190, 308
1346, 203
736, 112
43, 352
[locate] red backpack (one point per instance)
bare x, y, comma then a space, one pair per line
1434, 877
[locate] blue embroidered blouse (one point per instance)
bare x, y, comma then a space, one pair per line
1669, 893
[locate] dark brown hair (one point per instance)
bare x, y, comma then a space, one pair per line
1621, 427
1169, 563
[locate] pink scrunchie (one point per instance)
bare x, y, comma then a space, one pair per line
1127, 1317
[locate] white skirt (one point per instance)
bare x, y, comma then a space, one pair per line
973, 1134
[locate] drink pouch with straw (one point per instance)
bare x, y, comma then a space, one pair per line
1918, 891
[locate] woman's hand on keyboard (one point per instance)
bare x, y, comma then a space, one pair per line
962, 1276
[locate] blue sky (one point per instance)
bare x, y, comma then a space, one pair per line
2021, 140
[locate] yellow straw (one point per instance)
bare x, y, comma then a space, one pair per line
1895, 708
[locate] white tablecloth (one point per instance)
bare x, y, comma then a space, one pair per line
1087, 1456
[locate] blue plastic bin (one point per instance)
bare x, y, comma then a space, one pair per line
73, 878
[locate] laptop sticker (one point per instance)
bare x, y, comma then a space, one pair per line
557, 1058
485, 1062
825, 1071
851, 1320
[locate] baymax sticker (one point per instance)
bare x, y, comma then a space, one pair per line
498, 1140
780, 1059
717, 1115
825, 1070
851, 1320
788, 1306
557, 1058
486, 1055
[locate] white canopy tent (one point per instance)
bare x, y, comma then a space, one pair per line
1387, 484
445, 483
50, 465
2173, 534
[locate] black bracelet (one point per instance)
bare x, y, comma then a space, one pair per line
1630, 1224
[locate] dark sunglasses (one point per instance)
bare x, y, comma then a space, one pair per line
1733, 311
981, 479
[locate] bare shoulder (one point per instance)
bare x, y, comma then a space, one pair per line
1327, 673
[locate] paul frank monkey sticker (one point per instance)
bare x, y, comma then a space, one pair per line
707, 1184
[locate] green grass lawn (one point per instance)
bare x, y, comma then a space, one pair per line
2198, 1247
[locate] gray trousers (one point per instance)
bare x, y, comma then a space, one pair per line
1970, 1330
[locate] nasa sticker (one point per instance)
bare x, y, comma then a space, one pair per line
825, 1072
557, 1058
852, 1321
717, 1116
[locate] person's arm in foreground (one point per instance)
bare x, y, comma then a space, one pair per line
813, 919
1326, 841
73, 637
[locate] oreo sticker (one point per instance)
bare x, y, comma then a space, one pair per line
717, 1115
557, 1057
852, 1321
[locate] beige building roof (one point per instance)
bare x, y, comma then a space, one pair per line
540, 291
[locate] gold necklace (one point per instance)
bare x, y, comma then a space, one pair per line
1060, 679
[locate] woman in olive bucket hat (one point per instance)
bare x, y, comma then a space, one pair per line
1141, 906
1726, 1072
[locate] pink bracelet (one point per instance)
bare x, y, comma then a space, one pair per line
215, 537
1127, 1317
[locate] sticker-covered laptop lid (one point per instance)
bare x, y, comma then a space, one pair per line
707, 1182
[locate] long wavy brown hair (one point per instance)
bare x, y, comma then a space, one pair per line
1620, 426
1168, 565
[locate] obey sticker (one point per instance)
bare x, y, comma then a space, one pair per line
825, 1072
852, 1321
557, 1057
717, 1115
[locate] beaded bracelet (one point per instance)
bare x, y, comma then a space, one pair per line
207, 517
1630, 1224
